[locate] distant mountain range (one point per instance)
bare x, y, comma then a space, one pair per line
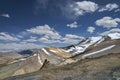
89, 48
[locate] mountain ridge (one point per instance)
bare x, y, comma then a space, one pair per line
91, 47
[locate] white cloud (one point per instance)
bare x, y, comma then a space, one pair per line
117, 10
5, 15
31, 39
109, 7
20, 36
48, 41
71, 39
7, 37
91, 29
18, 46
108, 22
110, 31
80, 8
72, 36
73, 25
45, 30
68, 39
50, 36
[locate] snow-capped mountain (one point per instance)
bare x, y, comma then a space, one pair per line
91, 42
87, 48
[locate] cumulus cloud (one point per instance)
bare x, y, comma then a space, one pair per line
47, 40
48, 34
108, 22
90, 29
117, 10
67, 39
72, 36
69, 8
45, 30
31, 39
18, 46
80, 8
35, 37
109, 7
5, 15
111, 31
71, 39
7, 37
73, 25
20, 36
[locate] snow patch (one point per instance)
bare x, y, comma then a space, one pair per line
89, 54
35, 55
46, 52
22, 59
39, 59
101, 40
53, 51
59, 50
69, 50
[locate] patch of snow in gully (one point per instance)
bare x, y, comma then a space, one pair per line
89, 54
46, 52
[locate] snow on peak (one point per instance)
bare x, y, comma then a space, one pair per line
83, 45
95, 39
114, 35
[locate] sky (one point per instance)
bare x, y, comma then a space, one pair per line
30, 24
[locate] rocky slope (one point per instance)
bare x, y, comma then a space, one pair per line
102, 68
8, 56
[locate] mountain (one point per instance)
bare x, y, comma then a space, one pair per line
8, 56
85, 45
96, 48
34, 62
27, 52
101, 68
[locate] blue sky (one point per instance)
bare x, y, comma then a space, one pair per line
30, 24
